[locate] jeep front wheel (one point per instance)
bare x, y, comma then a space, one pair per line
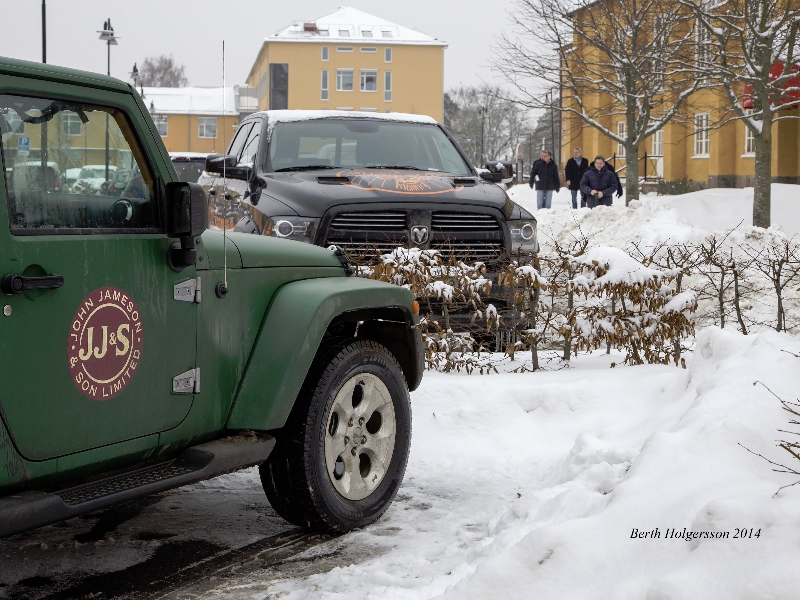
341, 456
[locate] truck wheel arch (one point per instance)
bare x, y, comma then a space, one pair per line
304, 315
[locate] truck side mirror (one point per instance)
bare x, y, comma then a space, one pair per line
216, 162
187, 217
493, 177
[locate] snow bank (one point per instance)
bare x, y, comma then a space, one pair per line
534, 486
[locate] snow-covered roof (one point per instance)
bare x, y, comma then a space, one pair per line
191, 100
351, 25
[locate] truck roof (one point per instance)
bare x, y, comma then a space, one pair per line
12, 66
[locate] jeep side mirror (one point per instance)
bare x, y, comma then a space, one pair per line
216, 162
187, 217
493, 177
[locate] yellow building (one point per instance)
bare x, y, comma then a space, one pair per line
350, 60
700, 146
198, 119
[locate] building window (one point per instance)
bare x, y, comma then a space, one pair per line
658, 143
369, 81
621, 129
344, 49
207, 127
701, 135
702, 38
344, 33
386, 34
749, 137
367, 33
70, 124
324, 84
347, 108
344, 80
387, 55
369, 49
387, 86
161, 125
368, 110
324, 33
324, 53
278, 86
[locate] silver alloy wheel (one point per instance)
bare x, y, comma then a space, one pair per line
359, 436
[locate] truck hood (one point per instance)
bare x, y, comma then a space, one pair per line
253, 251
311, 193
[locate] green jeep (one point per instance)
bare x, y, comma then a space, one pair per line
141, 351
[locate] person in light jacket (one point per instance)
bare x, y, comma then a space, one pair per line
573, 172
599, 183
544, 175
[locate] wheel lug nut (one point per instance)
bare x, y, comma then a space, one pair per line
361, 421
346, 440
353, 451
350, 423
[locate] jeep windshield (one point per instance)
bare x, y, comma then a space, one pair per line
363, 144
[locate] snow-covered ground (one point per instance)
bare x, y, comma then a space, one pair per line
534, 486
680, 218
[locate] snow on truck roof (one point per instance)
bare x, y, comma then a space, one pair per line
291, 116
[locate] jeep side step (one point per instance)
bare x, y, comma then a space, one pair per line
30, 509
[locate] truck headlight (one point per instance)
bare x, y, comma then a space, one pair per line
523, 236
300, 229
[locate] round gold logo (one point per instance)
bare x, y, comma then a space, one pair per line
105, 343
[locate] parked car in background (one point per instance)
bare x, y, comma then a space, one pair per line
32, 176
91, 178
118, 184
188, 165
71, 176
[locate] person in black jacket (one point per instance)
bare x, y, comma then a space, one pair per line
576, 167
599, 183
544, 174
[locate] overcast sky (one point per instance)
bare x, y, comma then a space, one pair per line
192, 32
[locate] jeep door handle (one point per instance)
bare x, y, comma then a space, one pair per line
16, 284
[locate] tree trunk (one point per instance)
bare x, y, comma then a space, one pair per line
721, 298
763, 181
568, 336
631, 172
736, 298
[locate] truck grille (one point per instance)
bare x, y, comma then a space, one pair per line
452, 222
488, 252
370, 221
468, 236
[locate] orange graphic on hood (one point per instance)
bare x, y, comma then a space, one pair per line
401, 182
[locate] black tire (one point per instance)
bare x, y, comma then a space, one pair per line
297, 479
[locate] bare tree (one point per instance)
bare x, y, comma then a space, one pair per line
741, 43
611, 59
486, 125
162, 71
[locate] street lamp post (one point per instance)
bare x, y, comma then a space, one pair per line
134, 75
107, 35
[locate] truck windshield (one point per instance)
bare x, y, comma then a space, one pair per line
363, 143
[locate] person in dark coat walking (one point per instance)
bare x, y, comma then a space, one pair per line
544, 175
573, 171
599, 183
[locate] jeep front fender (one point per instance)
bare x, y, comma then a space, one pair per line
291, 333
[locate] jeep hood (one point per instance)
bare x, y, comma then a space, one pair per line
247, 251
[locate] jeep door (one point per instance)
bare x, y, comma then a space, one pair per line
90, 362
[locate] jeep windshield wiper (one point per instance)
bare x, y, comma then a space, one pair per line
306, 168
408, 167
